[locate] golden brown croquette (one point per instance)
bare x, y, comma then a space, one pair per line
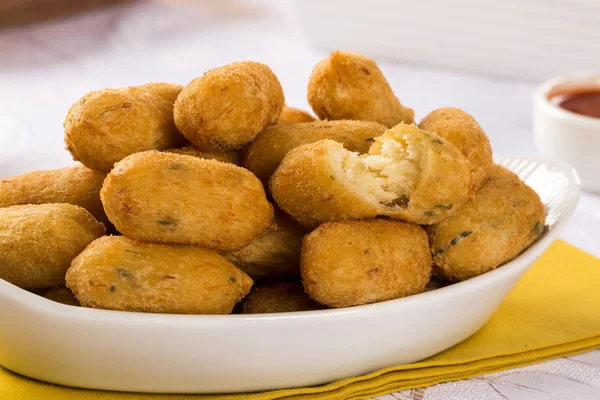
106, 126
348, 263
270, 146
170, 198
117, 273
279, 297
505, 217
38, 242
349, 85
228, 106
461, 129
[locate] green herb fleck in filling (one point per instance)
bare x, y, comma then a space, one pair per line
401, 201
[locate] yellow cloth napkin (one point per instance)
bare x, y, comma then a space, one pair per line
554, 311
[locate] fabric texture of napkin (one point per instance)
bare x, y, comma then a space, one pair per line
554, 311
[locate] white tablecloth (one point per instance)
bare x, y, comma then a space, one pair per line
45, 68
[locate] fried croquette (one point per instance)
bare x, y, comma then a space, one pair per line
274, 254
38, 242
505, 218
424, 178
231, 156
270, 146
117, 273
76, 185
348, 85
461, 129
106, 126
168, 91
290, 115
409, 174
279, 297
306, 186
62, 295
348, 263
228, 106
170, 198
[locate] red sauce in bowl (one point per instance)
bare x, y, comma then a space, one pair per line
583, 101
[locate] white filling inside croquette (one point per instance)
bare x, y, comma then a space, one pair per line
385, 179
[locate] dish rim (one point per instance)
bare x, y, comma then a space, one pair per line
523, 260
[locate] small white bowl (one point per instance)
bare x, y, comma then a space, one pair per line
127, 351
565, 135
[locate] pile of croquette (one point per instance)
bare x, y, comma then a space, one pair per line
216, 198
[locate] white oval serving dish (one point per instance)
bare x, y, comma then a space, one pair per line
124, 351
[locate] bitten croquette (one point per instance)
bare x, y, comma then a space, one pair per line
270, 146
409, 174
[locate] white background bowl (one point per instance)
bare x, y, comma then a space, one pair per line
113, 350
533, 39
565, 135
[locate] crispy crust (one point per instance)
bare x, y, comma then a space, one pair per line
444, 180
306, 188
231, 156
350, 263
461, 129
170, 198
76, 185
228, 106
290, 115
271, 145
38, 242
274, 254
168, 91
505, 218
279, 297
120, 274
348, 85
106, 126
